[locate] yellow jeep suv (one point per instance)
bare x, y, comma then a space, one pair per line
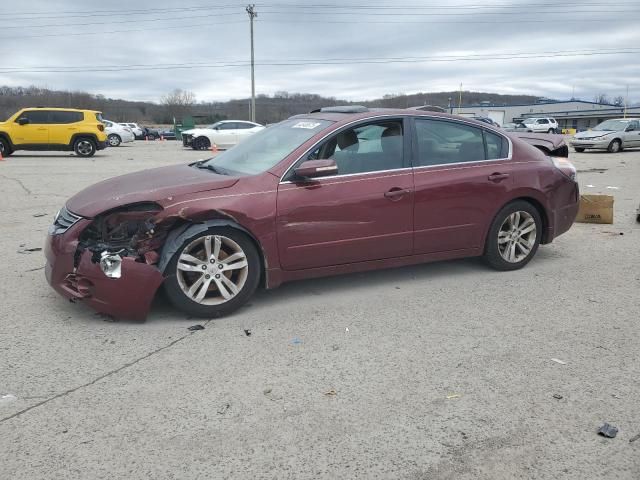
53, 129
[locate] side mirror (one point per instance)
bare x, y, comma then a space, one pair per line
23, 121
316, 168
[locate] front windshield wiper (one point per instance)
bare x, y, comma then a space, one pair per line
213, 168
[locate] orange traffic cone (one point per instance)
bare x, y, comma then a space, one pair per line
1, 159
214, 148
162, 138
146, 138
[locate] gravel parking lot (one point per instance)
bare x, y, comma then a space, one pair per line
436, 371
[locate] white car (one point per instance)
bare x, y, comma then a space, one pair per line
117, 134
135, 128
540, 124
224, 134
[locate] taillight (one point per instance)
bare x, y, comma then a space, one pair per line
101, 127
565, 166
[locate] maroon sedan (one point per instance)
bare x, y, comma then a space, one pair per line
339, 190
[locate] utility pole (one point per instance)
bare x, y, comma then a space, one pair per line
252, 14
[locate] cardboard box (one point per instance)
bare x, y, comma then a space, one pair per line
595, 209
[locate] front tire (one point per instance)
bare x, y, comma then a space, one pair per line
213, 273
201, 143
615, 146
578, 149
114, 140
84, 147
5, 148
514, 236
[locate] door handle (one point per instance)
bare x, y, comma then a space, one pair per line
497, 177
396, 193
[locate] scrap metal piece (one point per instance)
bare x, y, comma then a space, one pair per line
111, 264
608, 431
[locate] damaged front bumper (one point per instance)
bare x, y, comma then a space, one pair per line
121, 286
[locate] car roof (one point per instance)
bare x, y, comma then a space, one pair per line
347, 116
60, 109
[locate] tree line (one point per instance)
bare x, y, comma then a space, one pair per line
180, 103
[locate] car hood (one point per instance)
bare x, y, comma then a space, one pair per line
152, 185
592, 133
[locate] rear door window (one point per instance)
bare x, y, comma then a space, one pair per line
442, 142
66, 117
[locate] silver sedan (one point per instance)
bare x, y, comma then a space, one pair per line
610, 135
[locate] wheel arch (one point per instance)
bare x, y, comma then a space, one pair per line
536, 203
5, 136
178, 235
76, 136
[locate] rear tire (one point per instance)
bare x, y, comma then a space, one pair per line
84, 147
114, 140
5, 148
201, 143
578, 149
551, 130
615, 146
514, 236
224, 262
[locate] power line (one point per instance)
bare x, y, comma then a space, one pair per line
336, 59
75, 25
510, 56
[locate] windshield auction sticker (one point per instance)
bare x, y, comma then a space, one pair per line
307, 125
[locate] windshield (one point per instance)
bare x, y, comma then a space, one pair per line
612, 125
268, 147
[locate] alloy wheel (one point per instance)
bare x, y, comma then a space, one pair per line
84, 147
212, 270
517, 236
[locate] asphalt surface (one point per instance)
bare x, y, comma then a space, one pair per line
436, 371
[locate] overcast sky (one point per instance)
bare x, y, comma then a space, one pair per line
153, 34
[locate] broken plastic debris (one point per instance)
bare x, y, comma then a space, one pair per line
453, 395
193, 328
247, 332
634, 438
590, 186
37, 215
558, 361
346, 330
613, 188
296, 341
331, 393
557, 396
8, 398
223, 408
608, 431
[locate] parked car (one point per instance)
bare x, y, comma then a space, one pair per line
63, 129
149, 134
611, 135
540, 124
318, 194
135, 128
117, 134
168, 134
224, 134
